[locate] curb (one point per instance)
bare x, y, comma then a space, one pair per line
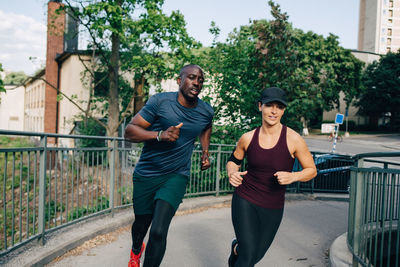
61, 241
76, 242
339, 254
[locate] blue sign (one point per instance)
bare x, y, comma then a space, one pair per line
339, 118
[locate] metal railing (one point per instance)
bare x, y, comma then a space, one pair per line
45, 186
333, 174
373, 228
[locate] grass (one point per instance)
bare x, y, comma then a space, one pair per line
6, 141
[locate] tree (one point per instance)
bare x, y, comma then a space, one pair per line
325, 69
130, 36
2, 89
381, 90
310, 68
15, 78
254, 57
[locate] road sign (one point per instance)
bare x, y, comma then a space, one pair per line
339, 118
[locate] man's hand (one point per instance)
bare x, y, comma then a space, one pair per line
172, 133
236, 178
205, 161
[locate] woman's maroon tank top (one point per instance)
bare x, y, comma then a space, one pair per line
259, 185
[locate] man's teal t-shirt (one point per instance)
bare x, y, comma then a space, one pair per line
162, 111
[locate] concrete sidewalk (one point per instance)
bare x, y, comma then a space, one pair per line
59, 242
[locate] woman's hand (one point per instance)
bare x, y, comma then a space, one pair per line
285, 178
236, 178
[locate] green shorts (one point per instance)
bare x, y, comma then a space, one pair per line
146, 190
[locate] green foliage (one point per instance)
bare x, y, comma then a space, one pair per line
51, 209
15, 78
254, 57
6, 141
15, 142
126, 194
102, 203
225, 134
136, 38
310, 68
2, 89
382, 89
92, 128
325, 69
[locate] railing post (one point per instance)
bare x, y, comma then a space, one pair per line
42, 188
358, 204
112, 174
218, 170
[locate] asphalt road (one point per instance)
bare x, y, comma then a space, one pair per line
203, 239
356, 144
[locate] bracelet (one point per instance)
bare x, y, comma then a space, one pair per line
159, 136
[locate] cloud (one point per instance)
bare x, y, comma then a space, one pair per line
21, 37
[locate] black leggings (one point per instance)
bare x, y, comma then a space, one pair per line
160, 221
255, 228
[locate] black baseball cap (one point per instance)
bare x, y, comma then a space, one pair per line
273, 94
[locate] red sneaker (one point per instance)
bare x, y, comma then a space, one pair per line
135, 259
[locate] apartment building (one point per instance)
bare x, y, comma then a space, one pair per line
379, 26
34, 103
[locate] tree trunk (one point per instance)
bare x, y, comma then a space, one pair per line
305, 127
113, 103
113, 93
138, 104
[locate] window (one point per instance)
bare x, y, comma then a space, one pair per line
390, 4
389, 32
389, 41
390, 21
387, 49
390, 13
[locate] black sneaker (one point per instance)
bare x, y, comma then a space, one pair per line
232, 258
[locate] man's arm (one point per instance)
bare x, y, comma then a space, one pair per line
205, 137
136, 131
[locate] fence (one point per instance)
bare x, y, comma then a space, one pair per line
46, 187
373, 229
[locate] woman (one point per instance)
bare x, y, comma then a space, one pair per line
258, 200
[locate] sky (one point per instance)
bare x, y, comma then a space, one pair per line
23, 23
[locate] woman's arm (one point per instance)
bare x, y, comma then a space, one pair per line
305, 159
233, 164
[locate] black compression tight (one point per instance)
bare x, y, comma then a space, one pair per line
255, 228
160, 221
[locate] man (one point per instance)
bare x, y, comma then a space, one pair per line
168, 125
